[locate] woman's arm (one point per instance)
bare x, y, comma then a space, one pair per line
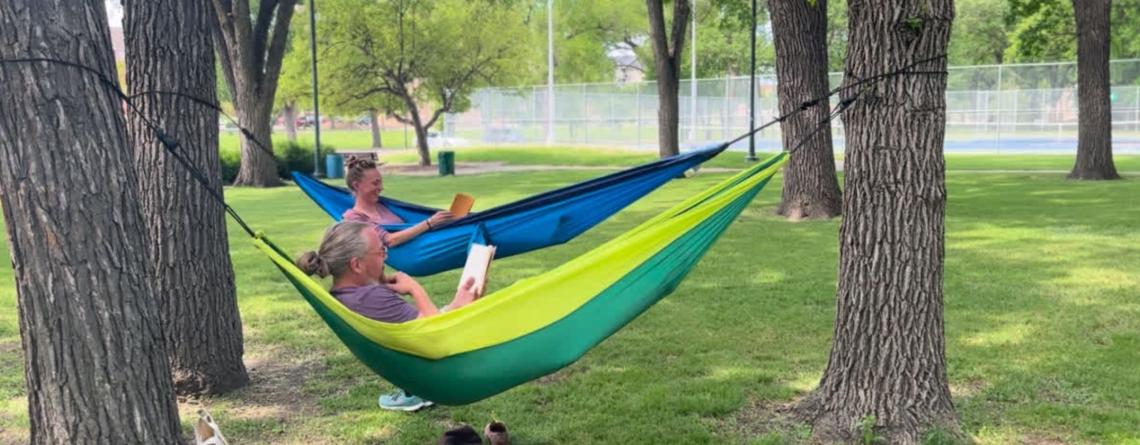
397, 238
403, 236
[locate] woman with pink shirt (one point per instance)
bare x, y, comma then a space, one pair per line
363, 178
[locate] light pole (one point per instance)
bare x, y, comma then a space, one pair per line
316, 96
752, 92
549, 72
693, 79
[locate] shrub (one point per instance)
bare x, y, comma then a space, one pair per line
231, 162
292, 156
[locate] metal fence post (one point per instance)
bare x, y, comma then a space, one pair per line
997, 142
637, 103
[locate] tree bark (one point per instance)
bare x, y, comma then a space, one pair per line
811, 189
420, 128
169, 49
374, 122
667, 49
251, 52
290, 113
1094, 129
94, 359
888, 359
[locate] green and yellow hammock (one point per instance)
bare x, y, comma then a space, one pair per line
541, 324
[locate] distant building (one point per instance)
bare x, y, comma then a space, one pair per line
627, 67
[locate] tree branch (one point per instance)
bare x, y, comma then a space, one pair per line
276, 52
261, 31
239, 16
681, 13
223, 53
657, 28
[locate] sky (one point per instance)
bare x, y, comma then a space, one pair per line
114, 13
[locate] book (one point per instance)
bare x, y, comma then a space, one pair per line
478, 264
461, 205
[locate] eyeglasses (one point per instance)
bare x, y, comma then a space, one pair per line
383, 250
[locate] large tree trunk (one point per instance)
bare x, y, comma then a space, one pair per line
374, 122
251, 52
667, 48
810, 187
258, 167
1094, 132
290, 116
888, 357
94, 360
169, 49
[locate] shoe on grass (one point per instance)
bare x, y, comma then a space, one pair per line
463, 435
496, 432
400, 400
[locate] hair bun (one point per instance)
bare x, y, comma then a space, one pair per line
358, 162
312, 263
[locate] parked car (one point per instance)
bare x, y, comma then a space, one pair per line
305, 121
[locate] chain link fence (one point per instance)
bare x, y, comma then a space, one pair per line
1029, 108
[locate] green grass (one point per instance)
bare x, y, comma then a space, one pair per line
340, 139
395, 151
1042, 325
1124, 163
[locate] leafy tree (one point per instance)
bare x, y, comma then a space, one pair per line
407, 55
295, 85
585, 32
251, 45
1045, 30
979, 36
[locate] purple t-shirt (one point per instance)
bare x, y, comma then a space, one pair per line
378, 302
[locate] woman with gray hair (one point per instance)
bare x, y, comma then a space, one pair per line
353, 254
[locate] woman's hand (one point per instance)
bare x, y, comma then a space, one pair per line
439, 218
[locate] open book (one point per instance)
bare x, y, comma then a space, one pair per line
461, 205
478, 264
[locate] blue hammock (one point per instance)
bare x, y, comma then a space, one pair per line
543, 220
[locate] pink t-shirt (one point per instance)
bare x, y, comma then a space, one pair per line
386, 217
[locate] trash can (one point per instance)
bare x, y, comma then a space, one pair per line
446, 163
334, 166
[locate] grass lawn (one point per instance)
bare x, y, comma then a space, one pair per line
589, 156
397, 152
1042, 325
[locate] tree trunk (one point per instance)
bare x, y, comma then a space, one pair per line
251, 52
1094, 131
811, 189
258, 167
667, 50
887, 363
421, 132
169, 49
374, 121
94, 359
290, 112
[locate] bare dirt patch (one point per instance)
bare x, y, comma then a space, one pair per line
760, 418
273, 395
